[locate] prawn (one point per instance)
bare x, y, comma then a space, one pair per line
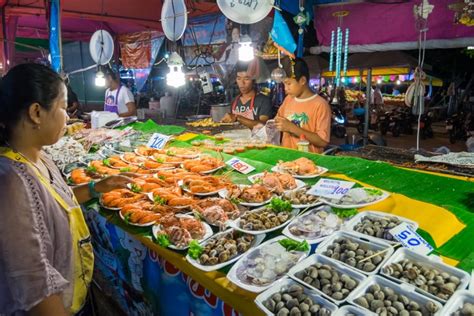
79, 176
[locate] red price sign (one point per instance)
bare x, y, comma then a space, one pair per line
240, 165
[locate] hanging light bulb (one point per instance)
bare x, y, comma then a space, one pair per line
398, 82
379, 81
245, 49
100, 79
175, 77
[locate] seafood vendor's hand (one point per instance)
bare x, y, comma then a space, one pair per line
229, 118
111, 183
284, 125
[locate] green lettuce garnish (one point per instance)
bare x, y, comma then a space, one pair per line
135, 188
235, 200
91, 169
126, 169
195, 249
278, 205
162, 177
160, 160
344, 213
159, 200
126, 218
106, 162
290, 245
375, 192
163, 240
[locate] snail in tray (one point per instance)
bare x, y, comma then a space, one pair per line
385, 301
224, 248
351, 253
377, 227
328, 280
467, 309
293, 301
433, 281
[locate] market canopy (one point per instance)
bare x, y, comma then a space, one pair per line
388, 26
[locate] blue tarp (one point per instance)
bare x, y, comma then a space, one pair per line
54, 36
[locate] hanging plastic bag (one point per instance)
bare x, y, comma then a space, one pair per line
267, 133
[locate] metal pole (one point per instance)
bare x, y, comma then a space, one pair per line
368, 94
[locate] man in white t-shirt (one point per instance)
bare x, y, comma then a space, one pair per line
118, 98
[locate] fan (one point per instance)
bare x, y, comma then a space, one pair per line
245, 12
174, 18
101, 47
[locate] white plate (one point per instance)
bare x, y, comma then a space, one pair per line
132, 163
299, 184
232, 275
321, 171
341, 269
257, 241
107, 207
137, 225
205, 172
317, 240
384, 196
349, 225
138, 154
185, 189
236, 223
285, 283
223, 194
208, 232
151, 198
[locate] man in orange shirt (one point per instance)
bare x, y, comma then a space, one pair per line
303, 113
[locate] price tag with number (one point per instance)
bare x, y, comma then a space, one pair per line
158, 141
410, 239
240, 166
331, 189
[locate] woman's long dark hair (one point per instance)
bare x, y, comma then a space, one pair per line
22, 86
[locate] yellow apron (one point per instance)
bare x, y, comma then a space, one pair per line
81, 239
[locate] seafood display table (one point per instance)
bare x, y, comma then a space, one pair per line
145, 277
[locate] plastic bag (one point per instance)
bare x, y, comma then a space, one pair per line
268, 133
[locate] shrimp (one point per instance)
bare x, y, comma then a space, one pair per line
79, 176
181, 201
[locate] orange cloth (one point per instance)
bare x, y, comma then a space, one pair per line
312, 114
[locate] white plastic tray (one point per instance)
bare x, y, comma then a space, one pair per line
349, 225
321, 171
257, 241
428, 261
354, 310
456, 302
403, 289
232, 275
373, 244
317, 240
236, 223
208, 232
285, 283
384, 196
339, 267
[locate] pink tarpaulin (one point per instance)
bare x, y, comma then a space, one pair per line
390, 26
